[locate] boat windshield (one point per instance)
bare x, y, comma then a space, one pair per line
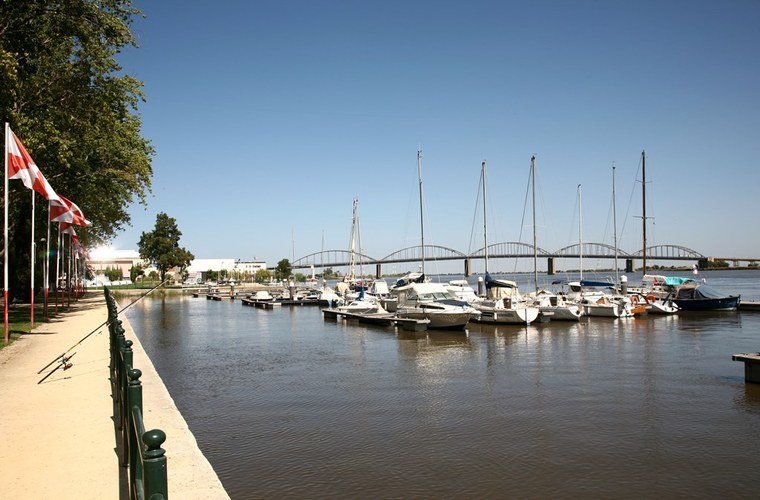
430, 296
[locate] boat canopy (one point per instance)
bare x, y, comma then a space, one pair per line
492, 283
699, 292
676, 281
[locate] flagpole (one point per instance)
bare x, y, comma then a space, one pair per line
47, 262
58, 253
5, 237
31, 295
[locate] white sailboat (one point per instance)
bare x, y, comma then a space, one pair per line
553, 306
418, 299
600, 303
503, 304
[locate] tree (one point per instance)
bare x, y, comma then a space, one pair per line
262, 275
136, 271
283, 269
161, 246
113, 273
68, 100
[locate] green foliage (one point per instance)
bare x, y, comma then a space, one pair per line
283, 269
161, 246
68, 100
113, 273
262, 276
301, 278
136, 271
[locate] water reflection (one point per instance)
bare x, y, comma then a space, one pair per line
642, 407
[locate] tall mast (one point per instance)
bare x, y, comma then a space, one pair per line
535, 248
580, 230
422, 223
485, 220
644, 212
354, 225
614, 222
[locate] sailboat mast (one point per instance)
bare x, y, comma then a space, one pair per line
580, 230
644, 212
422, 223
614, 223
535, 248
485, 219
354, 217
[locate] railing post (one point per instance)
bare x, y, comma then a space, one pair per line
126, 363
154, 471
134, 399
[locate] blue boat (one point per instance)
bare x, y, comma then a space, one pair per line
700, 297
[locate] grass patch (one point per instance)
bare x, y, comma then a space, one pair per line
19, 318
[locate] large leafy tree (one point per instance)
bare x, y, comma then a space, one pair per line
161, 246
65, 96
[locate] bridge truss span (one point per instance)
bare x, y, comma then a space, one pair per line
331, 258
508, 249
591, 250
670, 252
432, 252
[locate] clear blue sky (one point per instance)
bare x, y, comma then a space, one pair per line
269, 117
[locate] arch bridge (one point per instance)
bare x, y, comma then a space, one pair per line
503, 250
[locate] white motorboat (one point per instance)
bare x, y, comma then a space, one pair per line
431, 301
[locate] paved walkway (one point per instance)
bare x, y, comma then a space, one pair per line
57, 438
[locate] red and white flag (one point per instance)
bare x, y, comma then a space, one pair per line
65, 210
67, 228
21, 166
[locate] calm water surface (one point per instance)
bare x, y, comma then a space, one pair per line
286, 404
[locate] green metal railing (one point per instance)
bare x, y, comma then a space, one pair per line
143, 454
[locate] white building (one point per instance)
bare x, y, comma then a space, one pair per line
104, 258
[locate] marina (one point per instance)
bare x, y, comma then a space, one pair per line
652, 405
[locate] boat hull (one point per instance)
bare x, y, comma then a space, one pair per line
438, 320
730, 303
518, 316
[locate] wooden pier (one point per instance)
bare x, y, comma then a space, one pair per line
751, 366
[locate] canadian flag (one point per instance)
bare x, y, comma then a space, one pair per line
21, 166
65, 210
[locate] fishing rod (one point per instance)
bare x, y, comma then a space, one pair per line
100, 326
65, 364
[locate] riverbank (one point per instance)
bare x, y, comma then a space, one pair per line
58, 437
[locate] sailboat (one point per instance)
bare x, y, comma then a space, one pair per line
552, 306
503, 304
418, 299
601, 303
655, 303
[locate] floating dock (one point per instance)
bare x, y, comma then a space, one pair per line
749, 305
384, 319
751, 366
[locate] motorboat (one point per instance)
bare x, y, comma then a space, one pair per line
700, 297
433, 302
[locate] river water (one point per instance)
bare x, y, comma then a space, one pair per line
285, 404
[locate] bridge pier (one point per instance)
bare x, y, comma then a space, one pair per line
629, 265
378, 271
550, 266
467, 273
